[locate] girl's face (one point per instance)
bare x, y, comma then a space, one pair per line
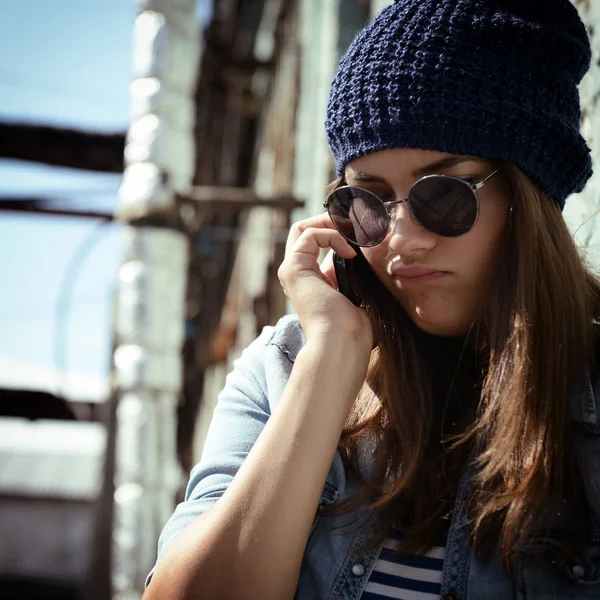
441, 282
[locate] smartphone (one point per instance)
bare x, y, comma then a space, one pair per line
343, 280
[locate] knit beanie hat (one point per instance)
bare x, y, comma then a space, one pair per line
495, 79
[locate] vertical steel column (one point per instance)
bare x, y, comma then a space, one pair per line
319, 34
147, 367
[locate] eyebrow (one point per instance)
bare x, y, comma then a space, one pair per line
434, 167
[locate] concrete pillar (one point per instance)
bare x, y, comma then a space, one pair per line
150, 306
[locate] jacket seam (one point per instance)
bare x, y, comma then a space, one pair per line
284, 350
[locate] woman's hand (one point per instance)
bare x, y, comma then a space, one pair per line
312, 289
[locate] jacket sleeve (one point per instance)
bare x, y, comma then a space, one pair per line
241, 412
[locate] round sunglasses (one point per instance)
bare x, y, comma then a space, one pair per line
443, 204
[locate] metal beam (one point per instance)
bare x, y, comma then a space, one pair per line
201, 198
236, 197
39, 206
61, 147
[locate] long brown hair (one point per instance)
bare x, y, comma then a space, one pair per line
534, 339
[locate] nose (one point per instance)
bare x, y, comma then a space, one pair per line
408, 238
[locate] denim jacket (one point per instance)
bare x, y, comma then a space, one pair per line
333, 568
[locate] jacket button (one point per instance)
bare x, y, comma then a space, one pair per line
578, 571
451, 596
358, 570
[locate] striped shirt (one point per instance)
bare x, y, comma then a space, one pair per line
408, 577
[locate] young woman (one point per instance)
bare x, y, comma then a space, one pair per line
439, 436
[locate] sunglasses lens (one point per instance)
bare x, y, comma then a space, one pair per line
443, 205
358, 215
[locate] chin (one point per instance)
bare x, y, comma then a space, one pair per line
439, 324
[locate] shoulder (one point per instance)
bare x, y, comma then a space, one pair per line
264, 367
592, 381
285, 338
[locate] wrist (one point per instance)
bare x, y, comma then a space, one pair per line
337, 370
335, 338
338, 354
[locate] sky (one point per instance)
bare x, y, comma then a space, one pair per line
64, 63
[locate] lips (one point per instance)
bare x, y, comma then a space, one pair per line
414, 276
414, 272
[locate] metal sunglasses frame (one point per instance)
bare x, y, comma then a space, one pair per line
473, 186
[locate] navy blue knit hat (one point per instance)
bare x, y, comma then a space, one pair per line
490, 78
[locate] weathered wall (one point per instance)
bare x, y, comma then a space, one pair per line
378, 5
581, 209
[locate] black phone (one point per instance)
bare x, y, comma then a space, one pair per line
343, 280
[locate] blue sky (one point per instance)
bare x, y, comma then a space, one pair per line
66, 62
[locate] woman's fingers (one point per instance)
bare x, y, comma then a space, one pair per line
321, 221
313, 240
311, 288
303, 255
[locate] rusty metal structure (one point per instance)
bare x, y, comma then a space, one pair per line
184, 222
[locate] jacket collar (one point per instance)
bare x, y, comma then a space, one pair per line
583, 401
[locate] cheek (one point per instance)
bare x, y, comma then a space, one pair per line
488, 237
477, 257
378, 258
377, 254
